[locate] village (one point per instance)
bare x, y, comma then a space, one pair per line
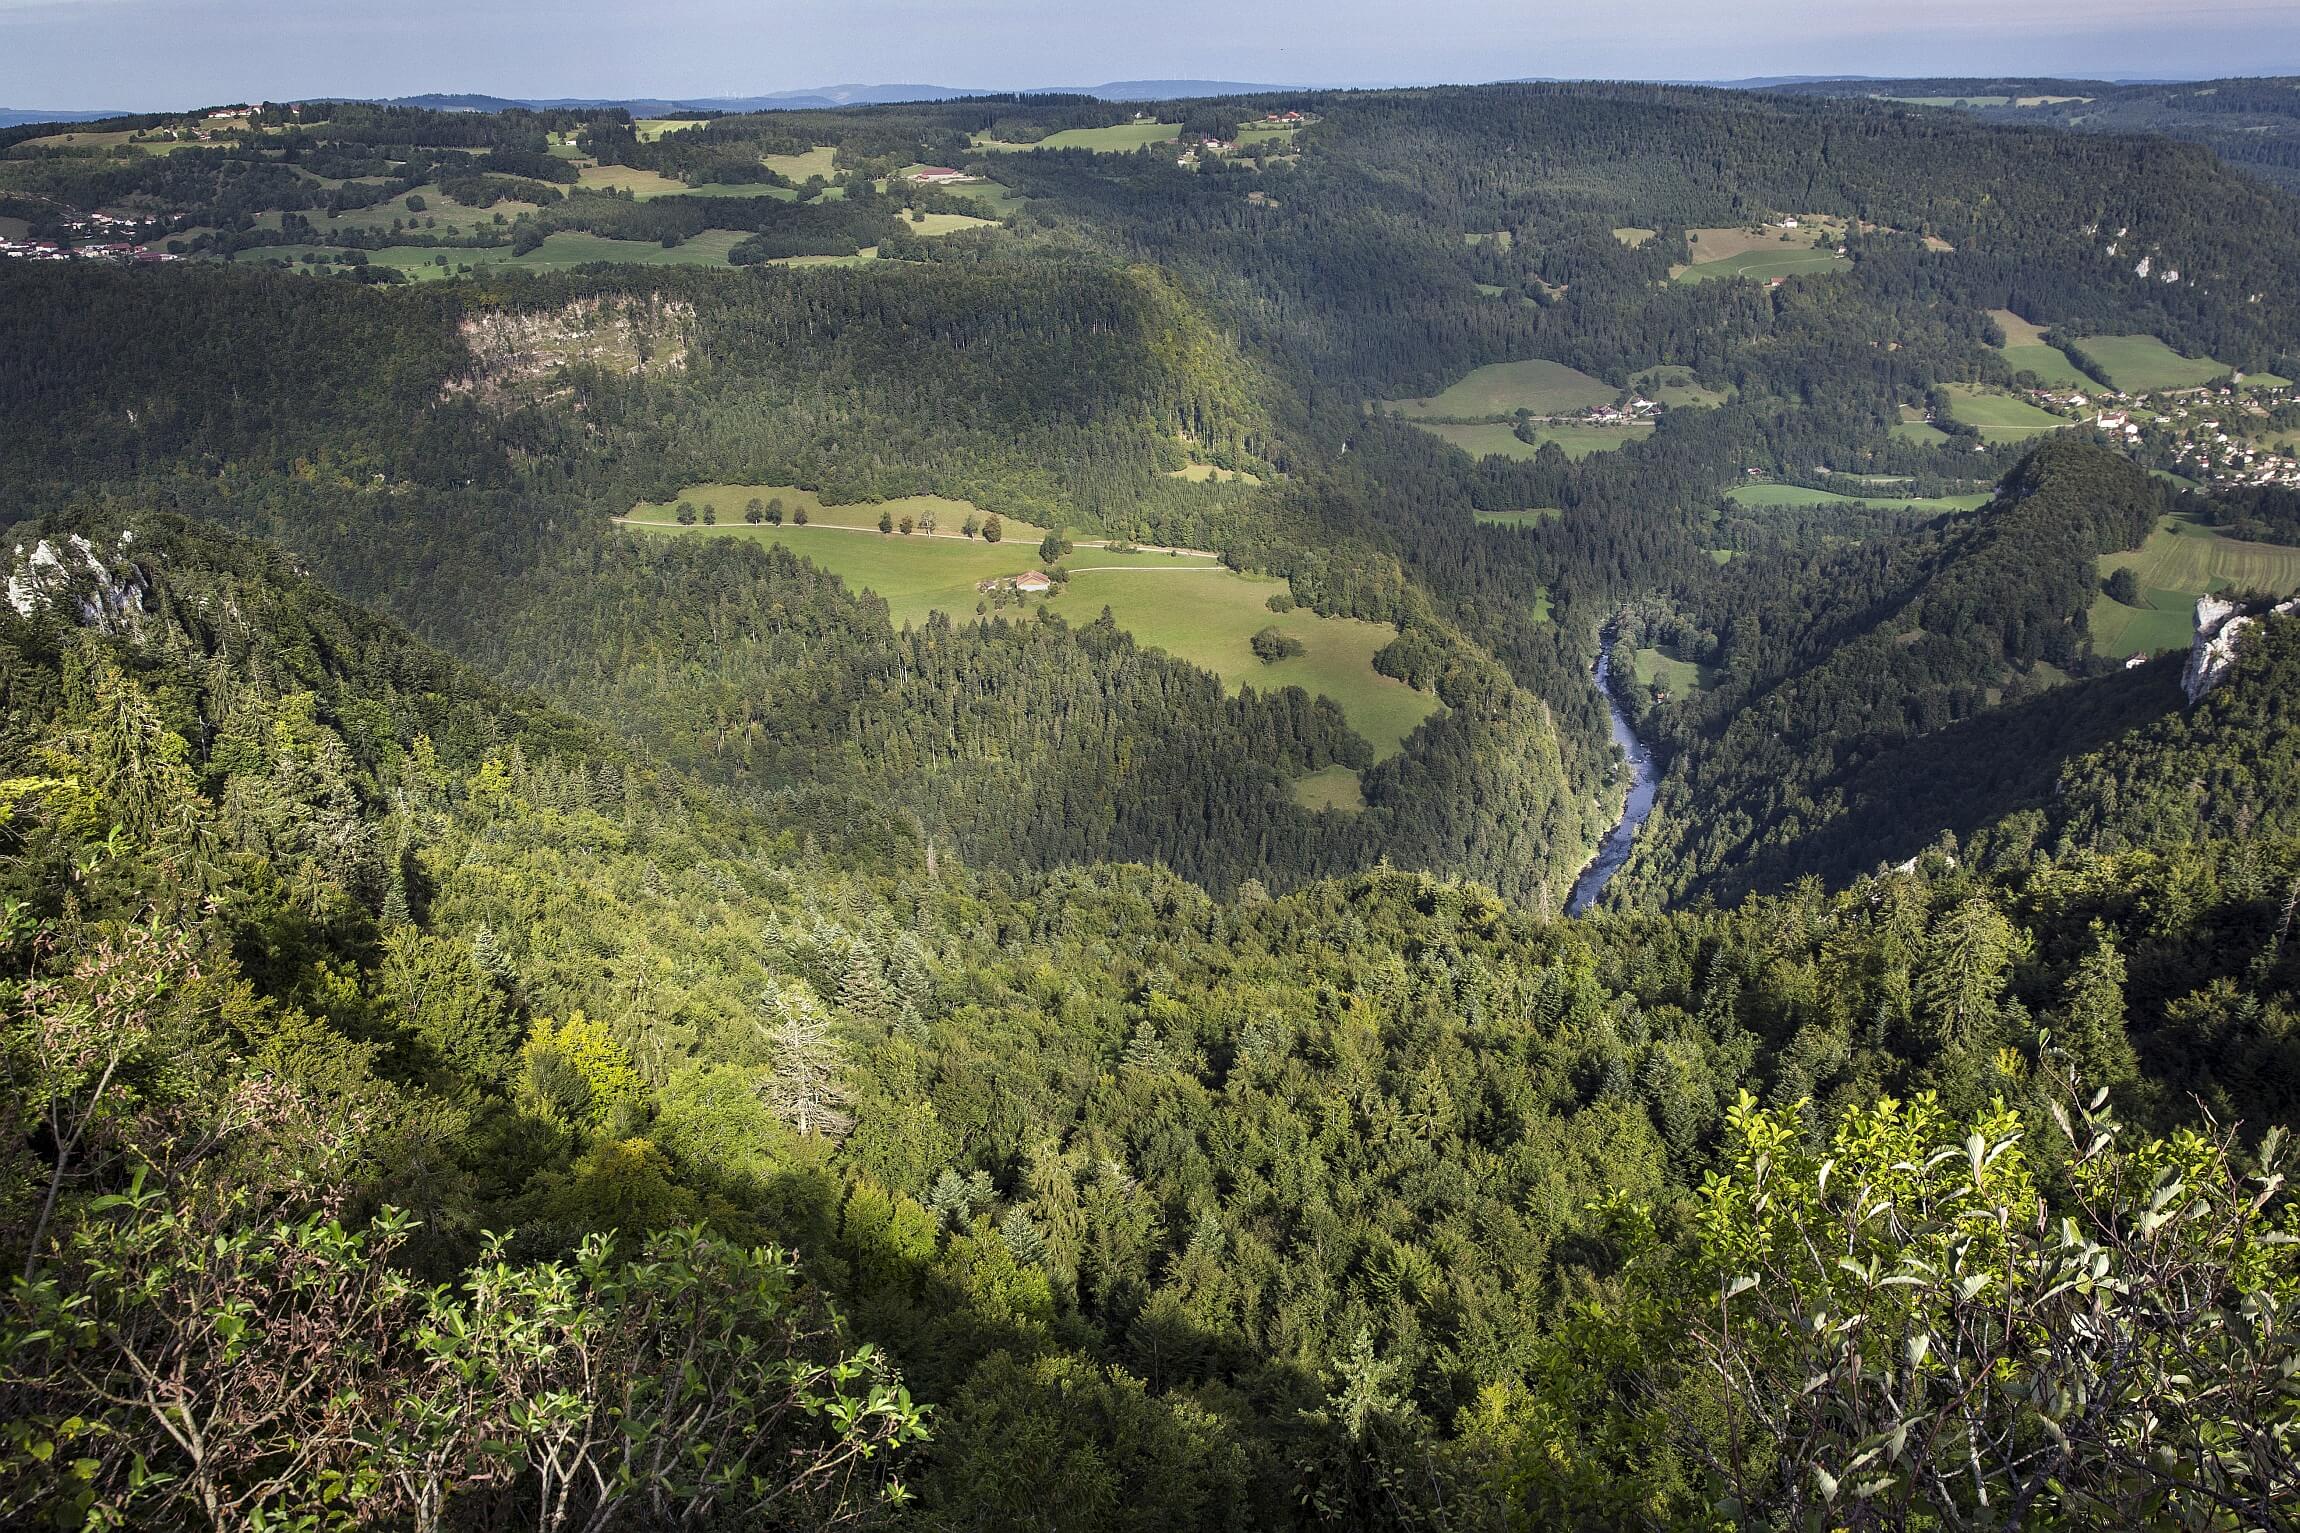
93, 236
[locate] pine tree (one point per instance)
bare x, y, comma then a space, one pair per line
804, 1062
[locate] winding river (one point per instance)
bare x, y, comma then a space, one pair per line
1613, 851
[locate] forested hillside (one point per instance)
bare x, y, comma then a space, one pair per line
847, 862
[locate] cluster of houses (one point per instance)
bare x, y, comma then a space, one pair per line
42, 250
1637, 409
2187, 430
940, 175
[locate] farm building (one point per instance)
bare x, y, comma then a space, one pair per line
1032, 583
939, 175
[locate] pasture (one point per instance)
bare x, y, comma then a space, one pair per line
1917, 430
1209, 473
2025, 351
2181, 561
1334, 787
1280, 134
928, 225
1119, 138
1532, 516
642, 185
1501, 239
822, 160
1493, 439
1188, 605
1675, 677
650, 129
1676, 388
1999, 417
727, 502
2142, 364
1763, 265
1502, 389
1634, 237
1764, 496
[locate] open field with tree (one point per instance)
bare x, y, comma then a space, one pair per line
1495, 439
2181, 561
1333, 787
1533, 516
1675, 677
1677, 388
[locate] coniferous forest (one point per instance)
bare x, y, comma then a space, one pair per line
517, 1010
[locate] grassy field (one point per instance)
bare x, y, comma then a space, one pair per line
1500, 237
1334, 787
558, 252
1504, 388
1278, 133
818, 161
926, 225
1634, 237
2025, 351
1955, 100
1187, 605
1674, 387
2181, 561
1531, 517
997, 201
1578, 442
1761, 496
2000, 417
2140, 364
1208, 617
1916, 429
1675, 677
1120, 138
728, 500
1202, 473
1764, 265
650, 129
643, 185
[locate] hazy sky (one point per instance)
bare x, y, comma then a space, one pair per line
166, 54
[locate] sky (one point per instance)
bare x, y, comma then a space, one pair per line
164, 55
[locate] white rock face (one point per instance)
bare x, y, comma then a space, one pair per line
106, 602
2214, 649
2213, 652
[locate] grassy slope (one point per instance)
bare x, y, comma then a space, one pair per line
2181, 561
2000, 417
2025, 351
1577, 441
1504, 388
2142, 363
1763, 495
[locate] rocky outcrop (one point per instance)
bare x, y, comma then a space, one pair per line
2219, 624
102, 599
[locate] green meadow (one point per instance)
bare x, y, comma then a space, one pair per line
1120, 138
1334, 787
1504, 388
2142, 364
1999, 417
1634, 237
1657, 667
1494, 439
2025, 351
2181, 561
1764, 265
1676, 388
1762, 496
1188, 605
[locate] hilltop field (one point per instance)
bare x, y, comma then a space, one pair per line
1183, 602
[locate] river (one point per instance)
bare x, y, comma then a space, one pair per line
1613, 851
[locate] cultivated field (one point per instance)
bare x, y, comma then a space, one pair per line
2025, 351
2181, 561
1761, 496
1121, 138
2140, 364
2000, 417
1501, 389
